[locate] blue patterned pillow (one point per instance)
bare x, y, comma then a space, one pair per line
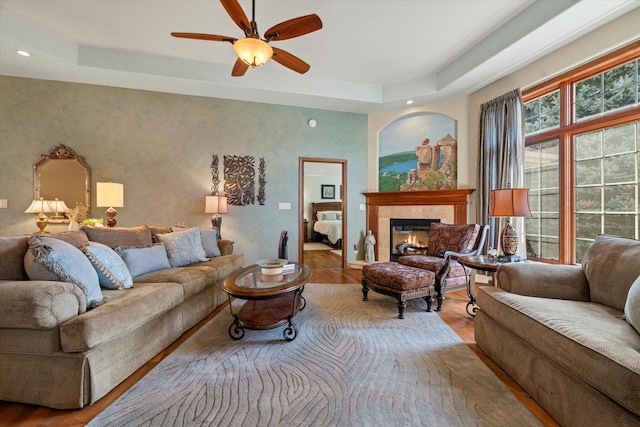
210, 242
144, 260
112, 270
183, 247
68, 264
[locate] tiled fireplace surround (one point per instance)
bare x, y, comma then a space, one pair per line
450, 206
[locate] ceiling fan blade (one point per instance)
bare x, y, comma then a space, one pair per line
238, 16
295, 27
200, 36
239, 68
290, 61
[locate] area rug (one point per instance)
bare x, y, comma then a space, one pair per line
354, 363
316, 246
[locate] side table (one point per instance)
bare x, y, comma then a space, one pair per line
481, 263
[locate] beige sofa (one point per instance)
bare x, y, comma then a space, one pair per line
560, 332
55, 353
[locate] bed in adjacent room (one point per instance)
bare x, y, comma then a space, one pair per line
327, 222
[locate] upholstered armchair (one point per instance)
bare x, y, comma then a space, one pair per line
446, 244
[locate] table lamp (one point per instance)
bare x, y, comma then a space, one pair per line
216, 205
59, 208
40, 207
111, 195
509, 202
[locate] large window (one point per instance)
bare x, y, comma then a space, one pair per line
582, 157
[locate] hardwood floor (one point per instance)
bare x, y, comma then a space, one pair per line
326, 269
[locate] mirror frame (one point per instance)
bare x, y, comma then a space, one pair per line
62, 152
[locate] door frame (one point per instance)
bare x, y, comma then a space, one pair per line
301, 227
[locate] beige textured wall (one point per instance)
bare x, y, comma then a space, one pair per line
160, 147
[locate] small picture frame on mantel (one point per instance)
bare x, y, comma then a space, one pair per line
328, 191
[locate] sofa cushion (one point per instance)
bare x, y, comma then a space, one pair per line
447, 237
12, 251
112, 270
122, 312
590, 340
74, 238
68, 264
183, 247
611, 265
210, 242
192, 278
632, 306
119, 236
144, 260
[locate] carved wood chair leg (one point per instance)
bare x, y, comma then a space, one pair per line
429, 301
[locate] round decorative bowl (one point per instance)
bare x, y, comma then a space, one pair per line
272, 266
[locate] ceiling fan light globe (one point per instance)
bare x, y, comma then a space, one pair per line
253, 51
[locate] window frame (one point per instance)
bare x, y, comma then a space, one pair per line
567, 129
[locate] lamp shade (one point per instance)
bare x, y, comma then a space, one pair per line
510, 202
253, 51
57, 206
40, 205
216, 205
109, 194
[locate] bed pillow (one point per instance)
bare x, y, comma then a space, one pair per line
68, 264
144, 260
183, 247
112, 270
632, 306
210, 242
328, 215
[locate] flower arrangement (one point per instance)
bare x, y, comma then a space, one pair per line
78, 213
93, 222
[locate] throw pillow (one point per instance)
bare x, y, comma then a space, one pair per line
447, 237
68, 264
112, 270
210, 242
119, 236
632, 306
183, 247
144, 260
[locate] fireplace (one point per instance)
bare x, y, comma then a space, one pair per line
408, 236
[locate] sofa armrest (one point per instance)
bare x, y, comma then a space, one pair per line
226, 247
35, 304
557, 281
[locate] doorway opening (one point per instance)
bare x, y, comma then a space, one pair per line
322, 213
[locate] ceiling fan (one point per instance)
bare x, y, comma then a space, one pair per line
254, 51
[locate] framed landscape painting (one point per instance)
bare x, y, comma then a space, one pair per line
328, 191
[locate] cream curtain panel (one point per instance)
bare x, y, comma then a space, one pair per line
501, 160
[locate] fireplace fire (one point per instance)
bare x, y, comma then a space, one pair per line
409, 236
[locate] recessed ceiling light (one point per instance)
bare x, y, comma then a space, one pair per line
409, 101
23, 53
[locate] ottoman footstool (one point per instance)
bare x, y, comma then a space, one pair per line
399, 281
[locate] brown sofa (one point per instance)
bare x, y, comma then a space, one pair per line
56, 353
560, 332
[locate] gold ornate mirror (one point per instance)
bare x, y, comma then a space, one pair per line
64, 175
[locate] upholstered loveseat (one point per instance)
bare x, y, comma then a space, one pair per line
569, 334
60, 350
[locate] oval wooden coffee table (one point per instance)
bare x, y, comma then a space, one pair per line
272, 300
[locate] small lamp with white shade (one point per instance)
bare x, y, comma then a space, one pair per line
216, 205
111, 195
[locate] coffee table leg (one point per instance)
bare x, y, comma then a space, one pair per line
290, 332
472, 298
236, 331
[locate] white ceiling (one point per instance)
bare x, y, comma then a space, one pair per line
370, 55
